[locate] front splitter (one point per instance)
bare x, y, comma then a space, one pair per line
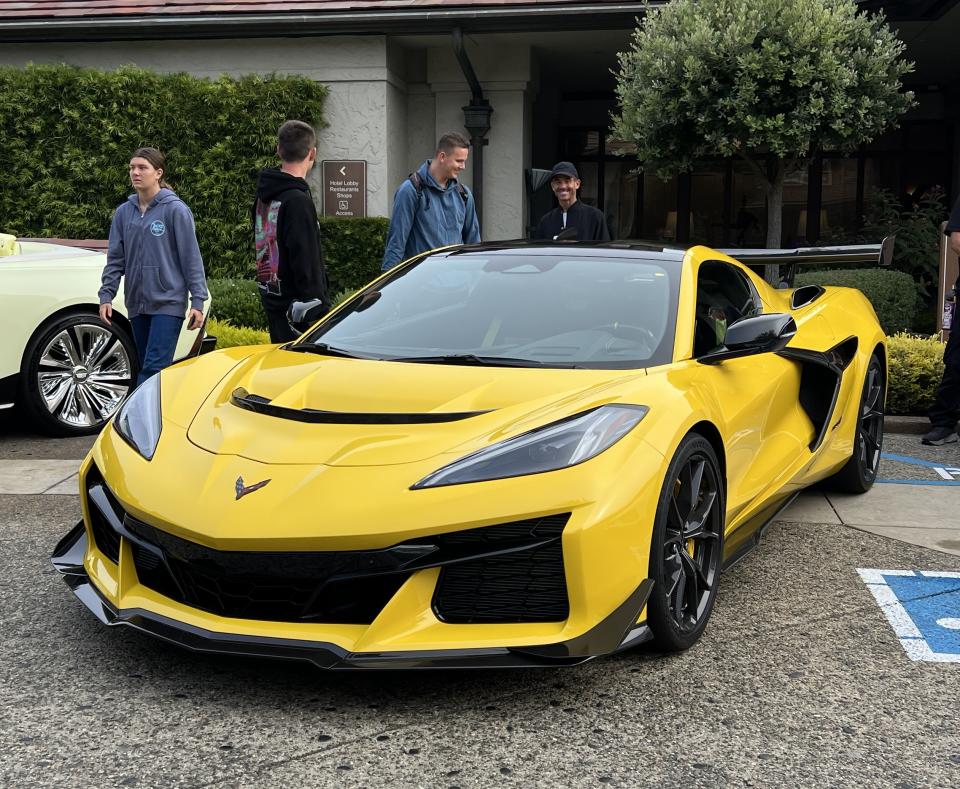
617, 632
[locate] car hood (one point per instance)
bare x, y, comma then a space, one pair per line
380, 413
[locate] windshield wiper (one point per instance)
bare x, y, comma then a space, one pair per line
472, 359
322, 349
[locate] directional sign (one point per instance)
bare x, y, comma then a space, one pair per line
923, 608
344, 188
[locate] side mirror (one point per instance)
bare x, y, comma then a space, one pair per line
751, 336
301, 315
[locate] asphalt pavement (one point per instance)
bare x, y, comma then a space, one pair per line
813, 672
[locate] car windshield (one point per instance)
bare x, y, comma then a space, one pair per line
534, 308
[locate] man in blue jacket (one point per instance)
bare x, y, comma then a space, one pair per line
432, 208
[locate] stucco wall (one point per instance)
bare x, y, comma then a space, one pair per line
506, 76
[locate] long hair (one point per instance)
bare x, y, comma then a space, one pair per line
157, 160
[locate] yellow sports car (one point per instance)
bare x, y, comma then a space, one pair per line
497, 455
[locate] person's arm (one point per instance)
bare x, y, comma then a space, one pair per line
401, 222
114, 269
471, 226
301, 238
955, 242
190, 261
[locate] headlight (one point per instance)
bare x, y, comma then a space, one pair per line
555, 446
138, 420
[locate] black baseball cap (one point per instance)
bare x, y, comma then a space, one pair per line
564, 168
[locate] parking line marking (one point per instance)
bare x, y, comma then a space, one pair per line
922, 607
947, 475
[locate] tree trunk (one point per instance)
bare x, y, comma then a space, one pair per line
775, 217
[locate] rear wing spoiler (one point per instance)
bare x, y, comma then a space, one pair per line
877, 254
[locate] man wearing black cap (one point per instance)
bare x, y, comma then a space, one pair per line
588, 223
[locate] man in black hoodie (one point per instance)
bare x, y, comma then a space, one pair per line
286, 233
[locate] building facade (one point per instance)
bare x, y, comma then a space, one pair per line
399, 75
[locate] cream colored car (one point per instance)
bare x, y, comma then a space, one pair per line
68, 369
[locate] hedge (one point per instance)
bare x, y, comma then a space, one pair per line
893, 294
353, 250
66, 135
915, 369
229, 335
237, 301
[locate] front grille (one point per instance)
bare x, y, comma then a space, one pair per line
509, 572
526, 586
281, 586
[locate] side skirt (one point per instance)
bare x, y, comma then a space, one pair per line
747, 537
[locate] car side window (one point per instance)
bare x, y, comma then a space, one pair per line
724, 296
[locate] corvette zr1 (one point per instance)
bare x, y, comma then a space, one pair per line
497, 455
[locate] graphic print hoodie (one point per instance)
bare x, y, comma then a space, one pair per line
287, 237
157, 254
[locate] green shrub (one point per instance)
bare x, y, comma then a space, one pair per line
229, 336
237, 301
892, 293
353, 250
66, 135
916, 250
916, 367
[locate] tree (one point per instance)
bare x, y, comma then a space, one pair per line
773, 82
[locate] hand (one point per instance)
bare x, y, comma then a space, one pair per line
106, 312
194, 319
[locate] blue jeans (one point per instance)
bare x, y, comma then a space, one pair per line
156, 339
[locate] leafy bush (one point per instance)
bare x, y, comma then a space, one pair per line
66, 134
917, 248
892, 293
916, 367
237, 301
353, 250
229, 335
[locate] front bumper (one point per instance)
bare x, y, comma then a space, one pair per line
615, 633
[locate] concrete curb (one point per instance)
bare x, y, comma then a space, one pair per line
913, 425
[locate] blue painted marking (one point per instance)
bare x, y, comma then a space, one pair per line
911, 461
947, 482
916, 462
929, 601
923, 608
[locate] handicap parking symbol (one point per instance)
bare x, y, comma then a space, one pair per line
923, 608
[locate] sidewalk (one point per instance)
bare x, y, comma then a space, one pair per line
916, 498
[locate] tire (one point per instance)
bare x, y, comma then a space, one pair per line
76, 372
860, 471
686, 552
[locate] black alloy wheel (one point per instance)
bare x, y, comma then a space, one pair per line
687, 547
860, 471
76, 373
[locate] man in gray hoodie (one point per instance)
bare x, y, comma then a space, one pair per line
153, 245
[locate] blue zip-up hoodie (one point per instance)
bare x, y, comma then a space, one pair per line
157, 253
436, 218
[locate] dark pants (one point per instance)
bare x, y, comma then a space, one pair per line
156, 339
946, 406
276, 308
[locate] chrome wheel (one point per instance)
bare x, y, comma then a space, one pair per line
83, 374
